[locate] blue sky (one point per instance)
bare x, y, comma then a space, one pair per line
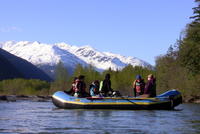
139, 28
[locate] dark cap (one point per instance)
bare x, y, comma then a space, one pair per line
96, 82
81, 77
138, 77
75, 78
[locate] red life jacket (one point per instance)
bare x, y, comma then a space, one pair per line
138, 87
74, 86
80, 86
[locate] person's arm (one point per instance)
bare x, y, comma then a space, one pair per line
109, 85
92, 91
134, 90
143, 87
105, 86
134, 83
78, 87
146, 88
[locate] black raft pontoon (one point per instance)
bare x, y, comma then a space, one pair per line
167, 100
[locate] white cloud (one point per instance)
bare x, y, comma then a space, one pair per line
10, 29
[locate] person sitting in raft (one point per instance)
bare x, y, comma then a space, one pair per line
138, 86
150, 87
105, 86
94, 88
80, 89
72, 90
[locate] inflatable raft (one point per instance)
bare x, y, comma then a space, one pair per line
167, 100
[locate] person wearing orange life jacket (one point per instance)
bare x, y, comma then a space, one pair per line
138, 86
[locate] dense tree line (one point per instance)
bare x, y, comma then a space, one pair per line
121, 80
180, 67
24, 87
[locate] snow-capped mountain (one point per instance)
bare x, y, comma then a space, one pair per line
46, 56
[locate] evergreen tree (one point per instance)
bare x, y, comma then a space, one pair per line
61, 73
196, 12
79, 70
61, 78
189, 53
180, 67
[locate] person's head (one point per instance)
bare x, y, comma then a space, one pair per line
75, 78
107, 76
96, 82
81, 77
150, 76
138, 77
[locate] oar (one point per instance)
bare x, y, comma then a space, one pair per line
127, 100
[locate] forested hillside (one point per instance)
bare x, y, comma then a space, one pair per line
12, 66
180, 67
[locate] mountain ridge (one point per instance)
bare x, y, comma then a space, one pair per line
41, 54
12, 66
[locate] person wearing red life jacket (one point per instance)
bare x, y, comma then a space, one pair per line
73, 87
80, 87
138, 86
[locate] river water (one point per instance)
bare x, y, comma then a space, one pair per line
44, 118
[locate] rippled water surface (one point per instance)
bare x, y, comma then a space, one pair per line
45, 118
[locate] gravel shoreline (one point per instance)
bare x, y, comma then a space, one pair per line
13, 98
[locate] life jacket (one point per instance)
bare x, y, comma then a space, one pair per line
100, 86
93, 89
139, 86
73, 86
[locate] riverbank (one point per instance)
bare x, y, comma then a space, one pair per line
13, 98
40, 98
193, 99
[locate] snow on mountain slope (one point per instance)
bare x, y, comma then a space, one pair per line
41, 54
93, 57
50, 54
129, 60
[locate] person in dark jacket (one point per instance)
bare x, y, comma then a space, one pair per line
150, 87
138, 86
80, 89
106, 86
73, 88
